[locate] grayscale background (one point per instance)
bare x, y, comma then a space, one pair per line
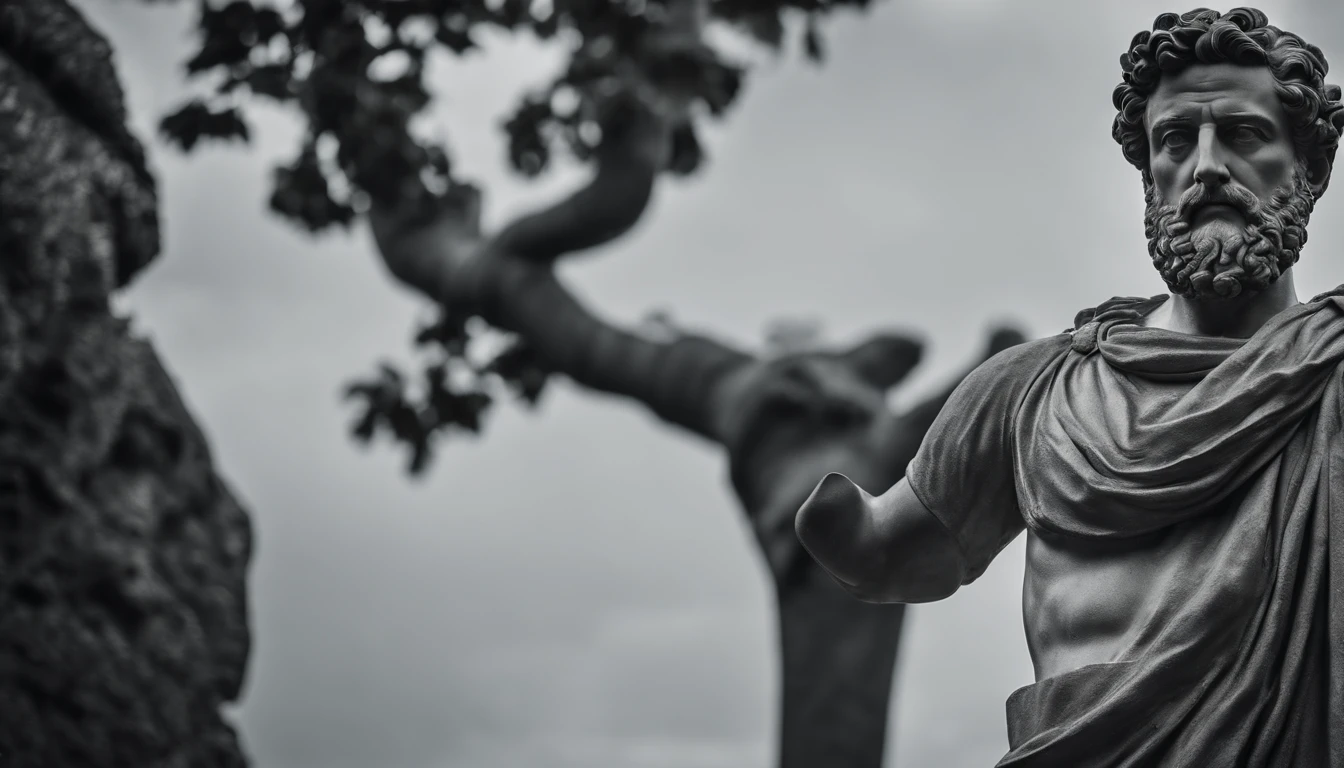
576, 589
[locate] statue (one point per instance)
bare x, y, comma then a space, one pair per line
1177, 462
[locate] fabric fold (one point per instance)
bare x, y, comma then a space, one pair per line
1159, 426
1232, 447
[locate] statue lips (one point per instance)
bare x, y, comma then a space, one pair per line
1226, 211
1225, 202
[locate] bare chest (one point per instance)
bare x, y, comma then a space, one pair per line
1087, 602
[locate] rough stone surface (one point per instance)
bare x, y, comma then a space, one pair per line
123, 555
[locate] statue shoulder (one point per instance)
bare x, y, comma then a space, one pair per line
1028, 359
999, 383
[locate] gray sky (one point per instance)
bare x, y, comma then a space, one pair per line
578, 589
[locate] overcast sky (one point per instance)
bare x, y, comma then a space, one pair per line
577, 589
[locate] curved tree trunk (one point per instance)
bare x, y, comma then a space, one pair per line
839, 655
784, 424
783, 430
123, 556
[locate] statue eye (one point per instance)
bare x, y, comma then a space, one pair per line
1244, 134
1175, 140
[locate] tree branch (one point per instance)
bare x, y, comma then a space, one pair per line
508, 279
609, 205
676, 378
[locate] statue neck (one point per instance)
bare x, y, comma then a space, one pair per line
1237, 318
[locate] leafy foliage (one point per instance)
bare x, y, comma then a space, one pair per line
355, 71
452, 393
197, 120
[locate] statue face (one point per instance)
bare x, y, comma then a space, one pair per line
1229, 197
1215, 124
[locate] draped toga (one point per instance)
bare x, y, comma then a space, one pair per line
1234, 449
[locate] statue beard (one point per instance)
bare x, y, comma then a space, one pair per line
1220, 260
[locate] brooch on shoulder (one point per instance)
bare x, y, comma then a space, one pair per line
1085, 338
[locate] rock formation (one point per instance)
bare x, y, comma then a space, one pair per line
123, 555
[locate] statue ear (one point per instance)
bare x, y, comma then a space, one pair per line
1318, 175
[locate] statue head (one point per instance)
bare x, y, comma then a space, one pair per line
1234, 131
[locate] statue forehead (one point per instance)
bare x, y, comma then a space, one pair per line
1211, 90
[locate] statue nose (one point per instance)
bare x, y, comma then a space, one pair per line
1210, 169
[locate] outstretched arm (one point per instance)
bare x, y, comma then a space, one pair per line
890, 548
886, 549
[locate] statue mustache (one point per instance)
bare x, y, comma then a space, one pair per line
1230, 193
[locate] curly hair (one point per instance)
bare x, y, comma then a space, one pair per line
1241, 36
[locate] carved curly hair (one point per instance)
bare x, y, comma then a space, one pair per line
1241, 36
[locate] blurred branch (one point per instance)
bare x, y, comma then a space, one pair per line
434, 245
640, 77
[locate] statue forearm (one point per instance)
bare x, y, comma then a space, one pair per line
888, 548
831, 525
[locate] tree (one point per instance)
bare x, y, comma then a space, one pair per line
640, 79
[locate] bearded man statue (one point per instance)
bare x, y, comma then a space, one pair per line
1177, 462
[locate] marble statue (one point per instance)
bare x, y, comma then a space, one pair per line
1177, 462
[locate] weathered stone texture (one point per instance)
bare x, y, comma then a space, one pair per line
123, 556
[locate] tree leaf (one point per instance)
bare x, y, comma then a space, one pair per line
274, 81
196, 121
